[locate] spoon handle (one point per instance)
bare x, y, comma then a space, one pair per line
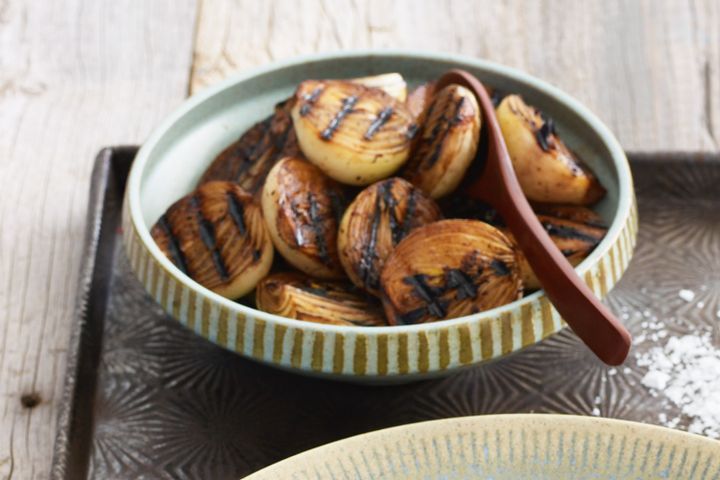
592, 321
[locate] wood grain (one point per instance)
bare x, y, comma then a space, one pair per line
649, 69
74, 76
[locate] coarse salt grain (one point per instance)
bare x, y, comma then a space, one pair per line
700, 304
687, 295
656, 379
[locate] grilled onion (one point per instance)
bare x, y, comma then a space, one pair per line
576, 240
250, 158
302, 208
294, 295
355, 134
547, 170
377, 220
573, 213
391, 83
419, 98
460, 205
448, 269
447, 142
216, 235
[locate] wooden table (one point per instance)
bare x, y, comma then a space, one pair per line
80, 74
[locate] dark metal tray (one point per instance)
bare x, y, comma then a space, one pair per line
146, 398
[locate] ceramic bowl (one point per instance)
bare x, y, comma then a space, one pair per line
173, 158
508, 447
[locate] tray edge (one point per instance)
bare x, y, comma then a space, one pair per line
100, 182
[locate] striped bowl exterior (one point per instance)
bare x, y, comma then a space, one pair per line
509, 447
366, 354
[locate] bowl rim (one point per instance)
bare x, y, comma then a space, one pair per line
567, 422
617, 155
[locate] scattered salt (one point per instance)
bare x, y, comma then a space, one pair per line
598, 400
685, 372
687, 295
696, 427
717, 314
700, 304
612, 371
596, 411
672, 423
626, 370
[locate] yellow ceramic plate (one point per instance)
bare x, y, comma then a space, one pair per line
509, 447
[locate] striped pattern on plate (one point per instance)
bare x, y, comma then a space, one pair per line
510, 447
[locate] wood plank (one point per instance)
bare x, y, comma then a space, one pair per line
74, 76
649, 69
707, 38
80, 74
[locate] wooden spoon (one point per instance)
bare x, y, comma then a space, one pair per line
497, 185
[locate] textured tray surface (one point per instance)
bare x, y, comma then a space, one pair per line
152, 399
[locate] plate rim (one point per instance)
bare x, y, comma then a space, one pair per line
570, 421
